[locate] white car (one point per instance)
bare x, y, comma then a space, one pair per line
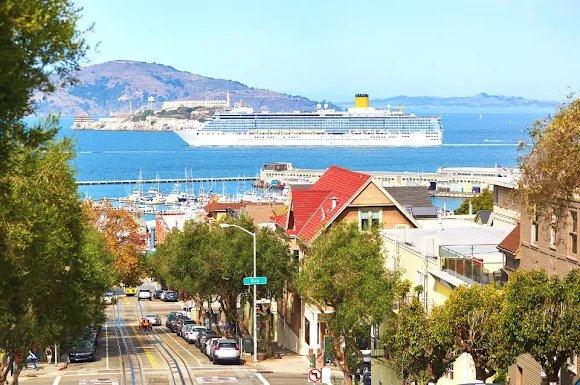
109, 298
144, 294
208, 345
191, 333
154, 319
226, 350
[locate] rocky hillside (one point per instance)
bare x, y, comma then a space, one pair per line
112, 86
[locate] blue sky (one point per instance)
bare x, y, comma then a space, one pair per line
334, 49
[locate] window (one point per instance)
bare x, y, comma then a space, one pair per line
306, 331
535, 228
572, 364
369, 218
574, 232
553, 232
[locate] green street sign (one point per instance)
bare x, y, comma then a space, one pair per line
255, 280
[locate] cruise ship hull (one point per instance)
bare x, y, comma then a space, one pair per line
200, 138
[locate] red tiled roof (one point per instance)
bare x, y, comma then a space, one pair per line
312, 208
511, 243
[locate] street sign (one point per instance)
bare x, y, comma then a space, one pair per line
255, 280
262, 301
314, 375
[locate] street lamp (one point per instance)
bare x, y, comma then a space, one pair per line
255, 326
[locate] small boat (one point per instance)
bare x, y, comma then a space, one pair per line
153, 197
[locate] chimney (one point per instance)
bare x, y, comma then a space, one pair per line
334, 202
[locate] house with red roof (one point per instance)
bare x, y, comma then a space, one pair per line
340, 195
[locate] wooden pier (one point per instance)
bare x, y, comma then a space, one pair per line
170, 180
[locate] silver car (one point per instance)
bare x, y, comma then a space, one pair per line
226, 350
191, 334
209, 344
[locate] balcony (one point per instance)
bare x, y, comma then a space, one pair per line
478, 264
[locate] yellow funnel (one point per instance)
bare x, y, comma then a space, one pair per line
361, 100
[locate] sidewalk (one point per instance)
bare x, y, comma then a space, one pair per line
44, 370
288, 362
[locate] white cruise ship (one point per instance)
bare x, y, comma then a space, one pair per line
359, 126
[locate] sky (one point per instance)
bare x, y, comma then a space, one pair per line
333, 49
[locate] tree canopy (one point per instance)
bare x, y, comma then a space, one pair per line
550, 173
343, 275
123, 239
204, 260
540, 316
54, 266
420, 347
482, 201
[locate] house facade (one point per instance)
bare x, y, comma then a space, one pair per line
441, 256
340, 195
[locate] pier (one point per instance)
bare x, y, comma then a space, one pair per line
166, 180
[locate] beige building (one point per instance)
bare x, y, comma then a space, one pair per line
440, 256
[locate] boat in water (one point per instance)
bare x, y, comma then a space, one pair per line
361, 125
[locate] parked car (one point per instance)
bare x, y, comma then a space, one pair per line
144, 294
83, 349
202, 337
170, 296
211, 345
181, 323
157, 293
109, 298
154, 319
226, 350
191, 335
174, 326
170, 319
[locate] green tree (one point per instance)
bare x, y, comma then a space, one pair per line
41, 48
474, 313
54, 268
549, 172
540, 316
344, 272
420, 347
483, 201
206, 260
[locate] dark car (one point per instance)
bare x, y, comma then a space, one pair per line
157, 293
170, 296
83, 349
204, 336
170, 319
175, 323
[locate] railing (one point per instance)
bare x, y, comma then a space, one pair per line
471, 269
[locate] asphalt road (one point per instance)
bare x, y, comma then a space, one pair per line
128, 356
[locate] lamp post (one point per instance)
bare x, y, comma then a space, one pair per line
255, 326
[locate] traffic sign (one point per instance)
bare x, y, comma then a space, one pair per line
255, 280
263, 301
314, 375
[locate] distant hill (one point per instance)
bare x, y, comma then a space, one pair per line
109, 87
480, 101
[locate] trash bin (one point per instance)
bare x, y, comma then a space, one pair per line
247, 344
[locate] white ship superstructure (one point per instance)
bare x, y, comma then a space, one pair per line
359, 126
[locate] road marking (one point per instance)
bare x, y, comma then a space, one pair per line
216, 380
56, 380
187, 351
261, 378
107, 346
145, 348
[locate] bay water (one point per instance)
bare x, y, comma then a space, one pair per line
470, 139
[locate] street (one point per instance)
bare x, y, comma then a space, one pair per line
128, 356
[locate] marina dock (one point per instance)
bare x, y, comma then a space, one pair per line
165, 180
